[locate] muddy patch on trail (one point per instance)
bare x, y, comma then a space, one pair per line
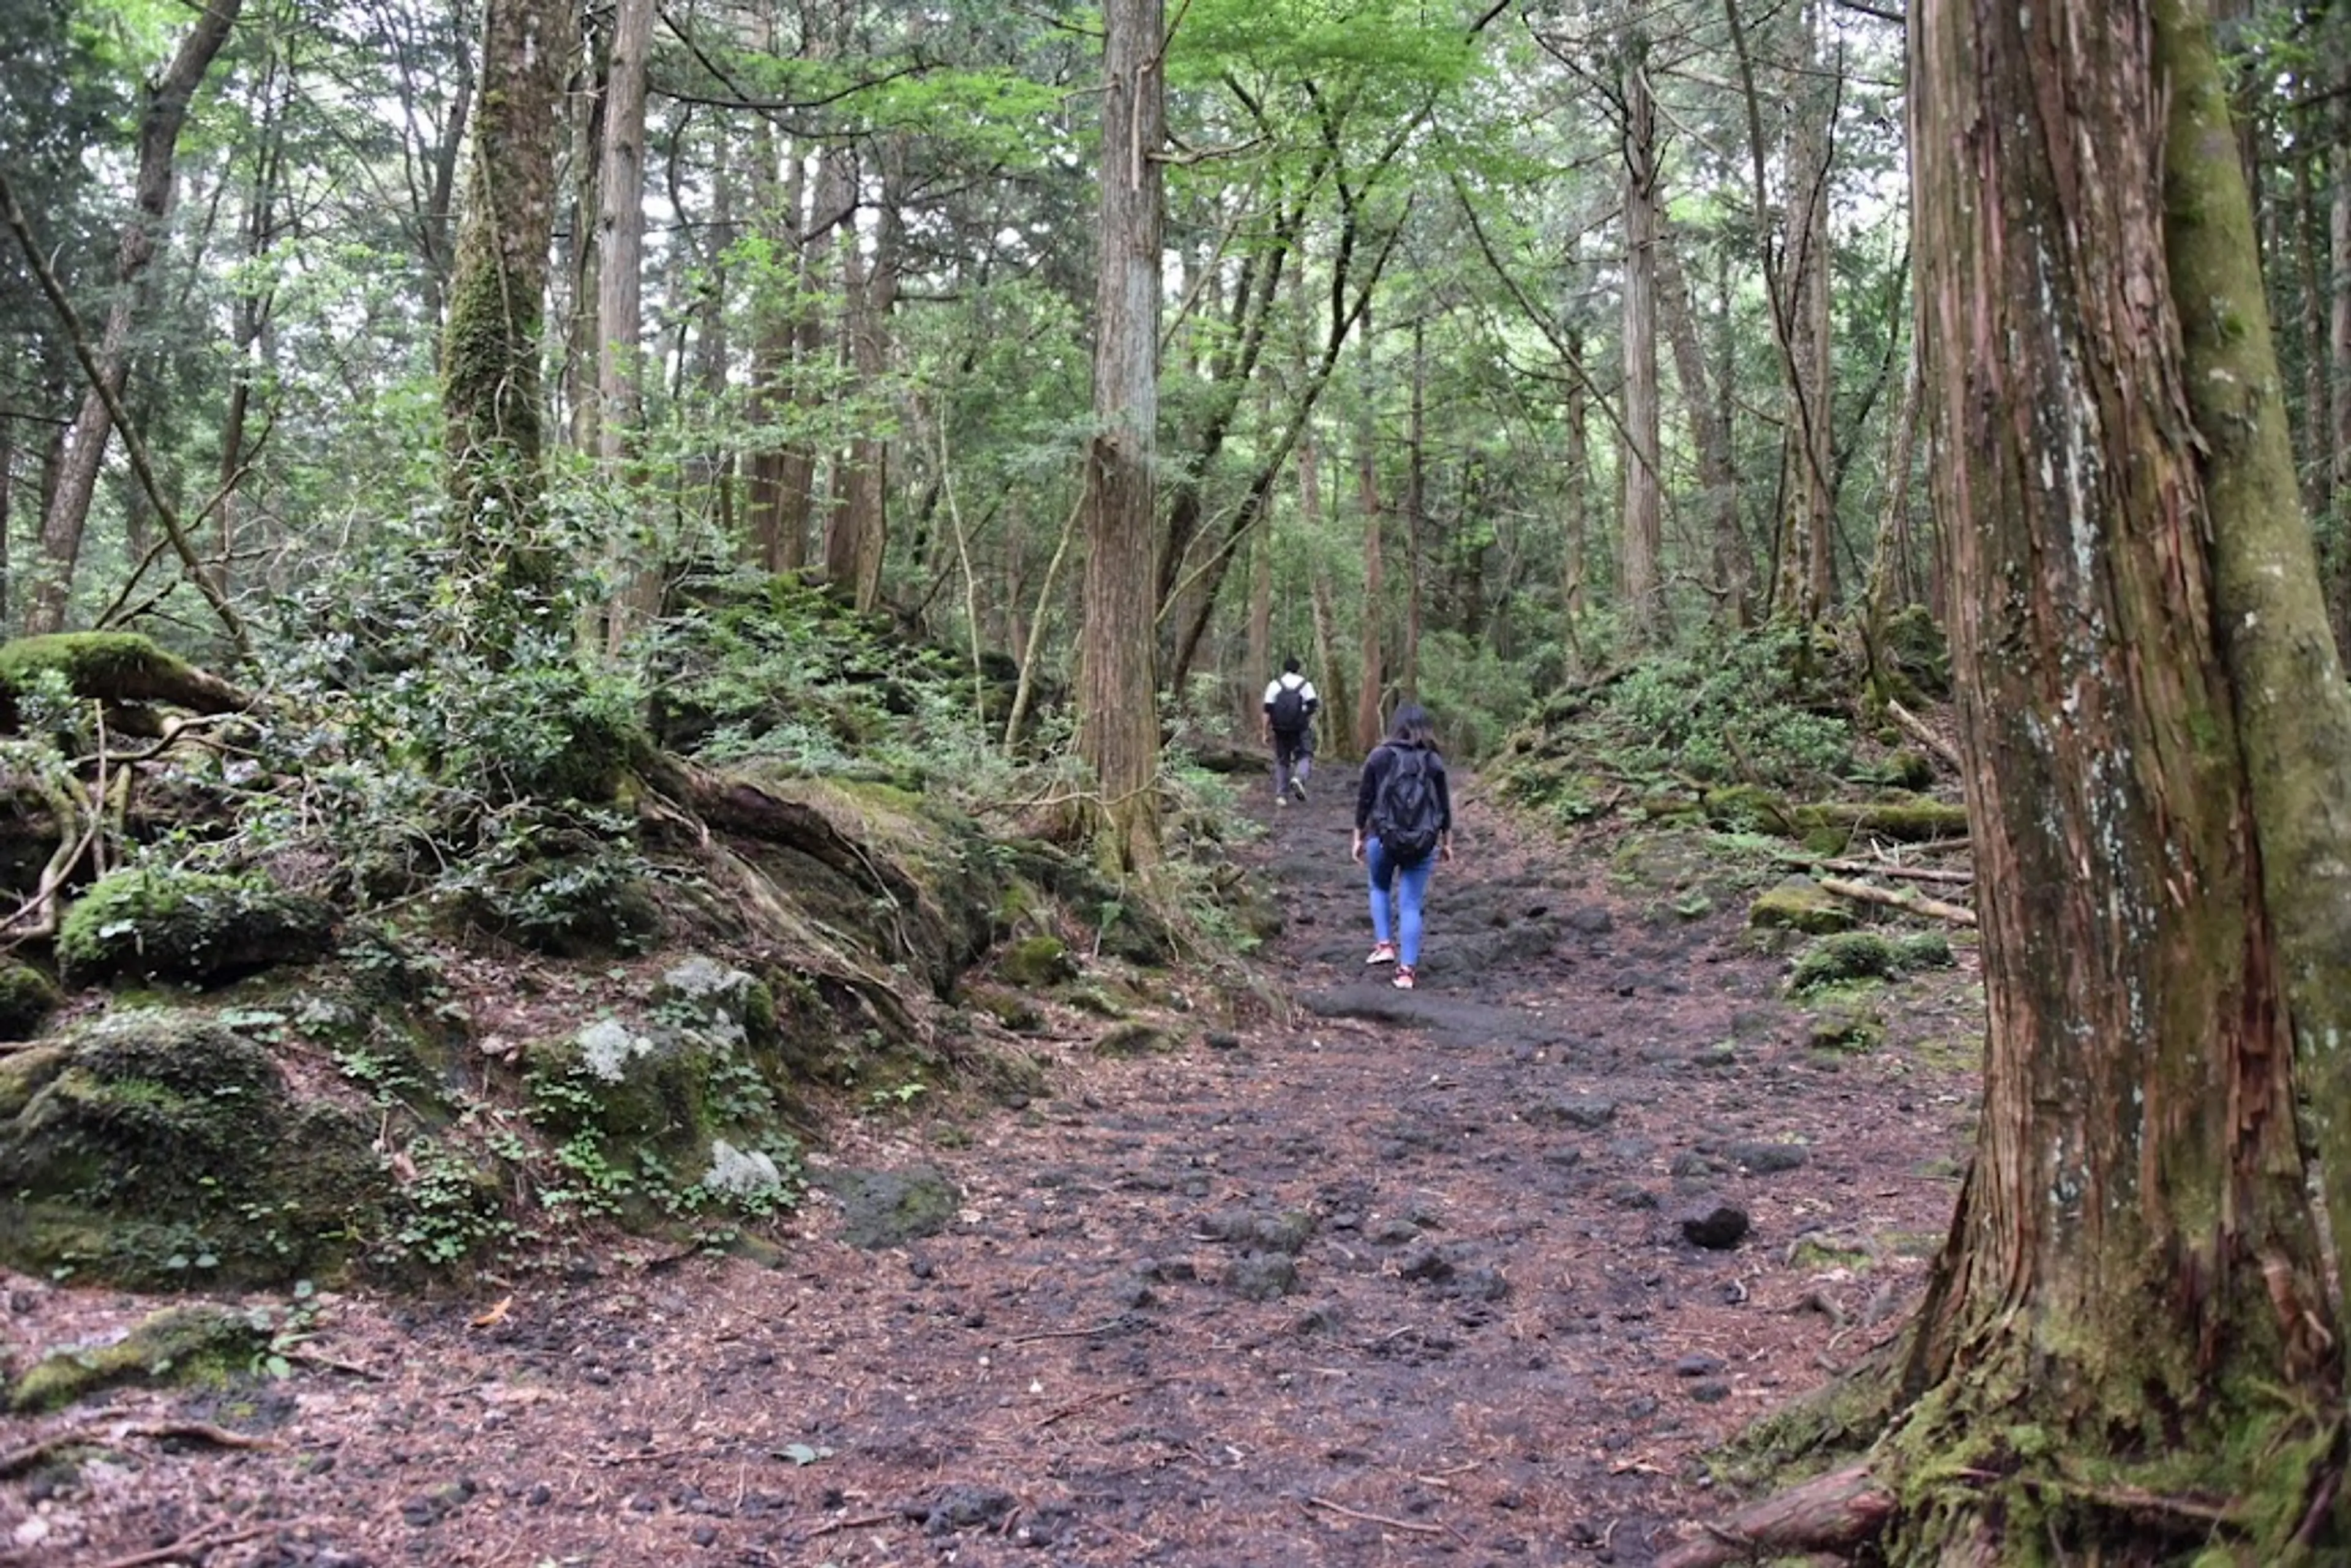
1474, 1274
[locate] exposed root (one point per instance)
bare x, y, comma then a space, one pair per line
1840, 1511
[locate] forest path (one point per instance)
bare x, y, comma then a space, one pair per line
1388, 1278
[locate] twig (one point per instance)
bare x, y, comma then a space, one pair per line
1105, 1326
1381, 1519
17, 1460
1092, 1399
860, 1522
329, 1363
204, 1540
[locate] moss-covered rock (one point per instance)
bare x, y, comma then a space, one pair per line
585, 905
1037, 963
1843, 958
888, 1208
1800, 904
649, 1089
153, 1148
1913, 645
179, 1346
27, 998
1845, 1031
166, 924
1134, 1039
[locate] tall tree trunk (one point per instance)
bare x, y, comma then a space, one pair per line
1118, 734
1331, 673
836, 260
1642, 543
1889, 567
2338, 358
1813, 388
620, 323
1717, 472
871, 299
1416, 510
7, 503
1369, 721
2137, 1195
1575, 514
783, 465
250, 314
492, 395
166, 111
1260, 629
2310, 251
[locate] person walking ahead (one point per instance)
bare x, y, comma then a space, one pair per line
1290, 705
1404, 826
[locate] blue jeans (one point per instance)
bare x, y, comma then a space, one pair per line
1410, 884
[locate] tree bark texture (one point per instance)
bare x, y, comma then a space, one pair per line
2293, 710
1718, 471
620, 318
1642, 542
66, 514
783, 465
2136, 1268
493, 400
1370, 722
1118, 734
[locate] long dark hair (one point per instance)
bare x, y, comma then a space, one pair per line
1412, 726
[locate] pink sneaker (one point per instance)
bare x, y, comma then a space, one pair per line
1404, 981
1382, 953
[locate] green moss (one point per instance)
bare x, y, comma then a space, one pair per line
1845, 1031
95, 663
1843, 958
1800, 904
179, 1345
27, 998
1036, 963
626, 1086
1133, 1040
152, 1149
1817, 1255
186, 926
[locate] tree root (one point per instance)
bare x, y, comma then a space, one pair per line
1840, 1511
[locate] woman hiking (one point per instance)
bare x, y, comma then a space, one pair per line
1404, 826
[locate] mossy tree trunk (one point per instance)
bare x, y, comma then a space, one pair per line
2129, 1332
2293, 710
1119, 731
492, 398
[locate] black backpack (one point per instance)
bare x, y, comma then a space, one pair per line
1406, 813
1290, 709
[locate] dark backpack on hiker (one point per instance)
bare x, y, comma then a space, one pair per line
1290, 709
1406, 813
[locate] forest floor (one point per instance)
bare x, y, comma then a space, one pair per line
1386, 1278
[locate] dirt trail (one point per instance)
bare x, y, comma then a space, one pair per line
1397, 1278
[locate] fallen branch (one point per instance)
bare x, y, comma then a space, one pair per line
202, 1540
1835, 1512
17, 1460
1898, 898
1916, 729
1911, 872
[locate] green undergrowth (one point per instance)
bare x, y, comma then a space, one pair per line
441, 958
1749, 732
